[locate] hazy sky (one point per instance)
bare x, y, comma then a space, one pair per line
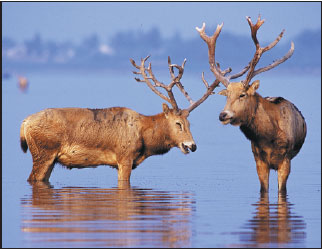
73, 21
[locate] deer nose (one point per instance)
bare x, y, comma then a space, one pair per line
193, 147
222, 116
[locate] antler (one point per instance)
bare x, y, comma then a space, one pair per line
177, 79
150, 76
211, 42
214, 67
193, 104
209, 90
259, 51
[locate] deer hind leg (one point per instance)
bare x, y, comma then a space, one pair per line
43, 162
44, 153
124, 169
42, 168
283, 172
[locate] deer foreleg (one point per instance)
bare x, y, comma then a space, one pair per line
263, 175
124, 169
283, 173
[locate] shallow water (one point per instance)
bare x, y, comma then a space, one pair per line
98, 217
209, 198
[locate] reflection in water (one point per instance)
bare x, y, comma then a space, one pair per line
273, 225
95, 217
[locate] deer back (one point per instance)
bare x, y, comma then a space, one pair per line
89, 128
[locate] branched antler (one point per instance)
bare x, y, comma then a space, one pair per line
211, 42
210, 89
214, 67
148, 75
176, 79
220, 75
260, 50
250, 68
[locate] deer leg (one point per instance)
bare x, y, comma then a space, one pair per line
124, 169
262, 167
263, 175
283, 172
42, 168
124, 185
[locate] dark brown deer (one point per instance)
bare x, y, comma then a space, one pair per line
117, 136
275, 127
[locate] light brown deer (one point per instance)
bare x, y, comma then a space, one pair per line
117, 136
275, 127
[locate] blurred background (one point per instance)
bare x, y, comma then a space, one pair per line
104, 35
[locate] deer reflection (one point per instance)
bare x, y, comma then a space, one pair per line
274, 223
116, 217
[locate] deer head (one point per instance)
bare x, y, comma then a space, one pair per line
177, 117
177, 123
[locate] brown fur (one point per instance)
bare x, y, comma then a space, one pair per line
275, 127
119, 137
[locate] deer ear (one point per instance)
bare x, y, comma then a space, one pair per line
223, 92
165, 108
253, 87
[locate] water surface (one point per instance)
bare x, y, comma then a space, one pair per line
209, 198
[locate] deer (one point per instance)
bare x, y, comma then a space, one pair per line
117, 136
274, 125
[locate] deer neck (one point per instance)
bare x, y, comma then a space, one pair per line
258, 124
156, 134
252, 110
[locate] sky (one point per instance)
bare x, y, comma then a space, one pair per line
72, 21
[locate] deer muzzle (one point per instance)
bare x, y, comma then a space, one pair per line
186, 146
225, 117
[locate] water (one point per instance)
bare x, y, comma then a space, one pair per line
209, 198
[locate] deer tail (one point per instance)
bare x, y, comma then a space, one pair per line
23, 141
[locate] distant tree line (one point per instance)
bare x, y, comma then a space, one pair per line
232, 51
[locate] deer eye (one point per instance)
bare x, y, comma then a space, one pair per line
179, 125
242, 95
